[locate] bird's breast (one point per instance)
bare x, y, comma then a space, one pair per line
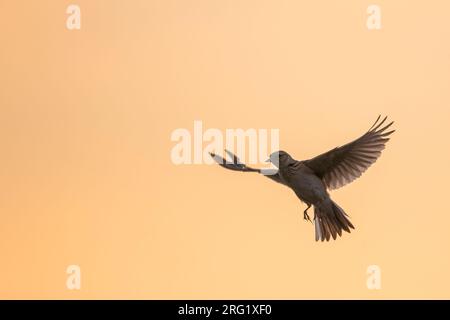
307, 186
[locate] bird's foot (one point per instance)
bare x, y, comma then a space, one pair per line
306, 217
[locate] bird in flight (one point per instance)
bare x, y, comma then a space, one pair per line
311, 179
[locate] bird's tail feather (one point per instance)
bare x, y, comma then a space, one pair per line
330, 220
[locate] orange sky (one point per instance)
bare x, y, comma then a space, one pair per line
86, 175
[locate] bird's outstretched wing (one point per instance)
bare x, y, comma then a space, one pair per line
342, 165
236, 165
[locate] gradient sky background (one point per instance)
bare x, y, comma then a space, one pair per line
86, 176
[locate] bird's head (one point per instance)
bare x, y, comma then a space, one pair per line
280, 159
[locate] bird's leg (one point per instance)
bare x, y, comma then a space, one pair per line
305, 214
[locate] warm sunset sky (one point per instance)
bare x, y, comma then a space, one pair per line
87, 179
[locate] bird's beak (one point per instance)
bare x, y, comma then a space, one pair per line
268, 160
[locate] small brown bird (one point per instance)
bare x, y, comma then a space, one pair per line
310, 179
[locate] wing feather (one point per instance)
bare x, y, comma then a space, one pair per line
343, 165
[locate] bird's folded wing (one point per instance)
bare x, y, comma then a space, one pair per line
342, 165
